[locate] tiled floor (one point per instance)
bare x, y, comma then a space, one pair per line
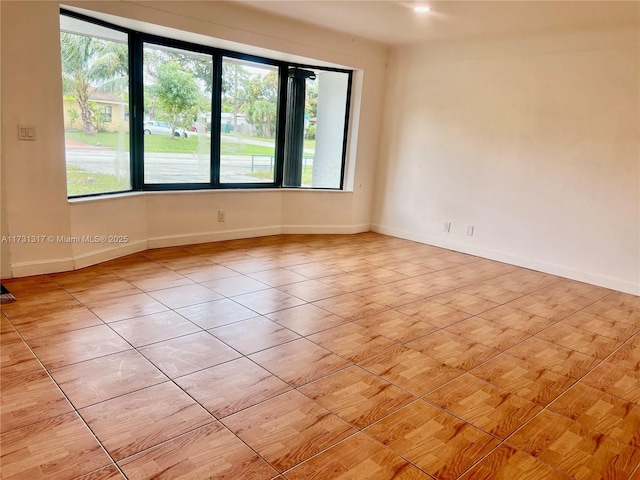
318, 357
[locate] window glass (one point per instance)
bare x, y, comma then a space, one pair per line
169, 97
95, 78
248, 122
325, 113
177, 115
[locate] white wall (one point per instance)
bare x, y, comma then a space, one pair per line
534, 141
34, 198
34, 178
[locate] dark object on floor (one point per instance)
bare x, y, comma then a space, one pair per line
5, 295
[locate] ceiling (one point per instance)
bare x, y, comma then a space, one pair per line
395, 23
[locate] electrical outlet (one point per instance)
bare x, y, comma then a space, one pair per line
447, 227
470, 230
221, 216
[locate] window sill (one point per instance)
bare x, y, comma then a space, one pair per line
126, 195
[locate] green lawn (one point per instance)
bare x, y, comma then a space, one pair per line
268, 174
166, 144
310, 144
81, 182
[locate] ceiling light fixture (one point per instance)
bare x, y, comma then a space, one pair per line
421, 9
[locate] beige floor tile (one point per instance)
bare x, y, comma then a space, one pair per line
306, 319
615, 311
311, 290
189, 353
578, 339
8, 334
29, 399
216, 313
154, 328
574, 449
602, 326
453, 350
484, 405
507, 463
357, 457
268, 301
438, 443
553, 357
35, 326
357, 396
396, 326
541, 307
253, 335
300, 361
235, 285
100, 379
231, 387
351, 306
352, 341
59, 448
77, 346
411, 370
628, 356
517, 319
433, 313
529, 381
288, 429
130, 306
107, 473
16, 359
615, 380
488, 333
601, 412
184, 296
208, 452
134, 422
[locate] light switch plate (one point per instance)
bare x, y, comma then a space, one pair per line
26, 132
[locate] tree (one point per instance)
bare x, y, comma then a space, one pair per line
73, 116
261, 107
234, 90
311, 103
176, 93
90, 64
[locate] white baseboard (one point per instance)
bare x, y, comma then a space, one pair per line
192, 239
553, 269
106, 254
325, 229
42, 267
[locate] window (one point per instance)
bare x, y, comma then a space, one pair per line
106, 113
151, 113
95, 68
177, 90
249, 117
325, 122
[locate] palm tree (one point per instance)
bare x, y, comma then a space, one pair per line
91, 64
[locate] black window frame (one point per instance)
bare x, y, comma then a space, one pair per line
136, 42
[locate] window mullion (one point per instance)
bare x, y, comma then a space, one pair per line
216, 109
294, 141
281, 124
136, 108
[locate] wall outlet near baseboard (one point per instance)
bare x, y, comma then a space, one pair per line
221, 216
470, 230
447, 227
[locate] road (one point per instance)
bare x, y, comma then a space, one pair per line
168, 167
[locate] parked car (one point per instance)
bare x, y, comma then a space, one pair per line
194, 128
156, 127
